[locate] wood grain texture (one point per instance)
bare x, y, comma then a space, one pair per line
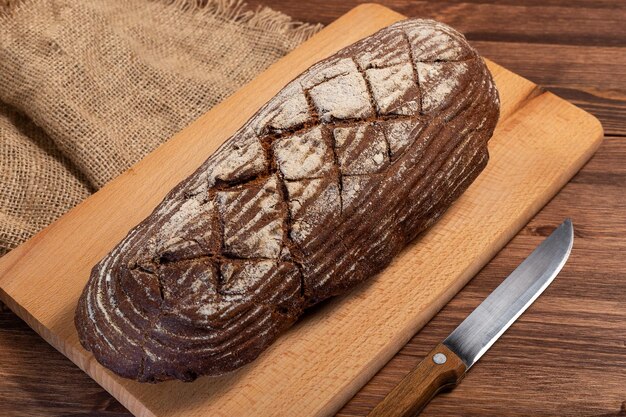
422, 383
589, 299
478, 20
565, 355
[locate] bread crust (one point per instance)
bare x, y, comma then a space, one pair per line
317, 192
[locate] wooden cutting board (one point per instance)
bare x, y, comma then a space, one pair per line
540, 143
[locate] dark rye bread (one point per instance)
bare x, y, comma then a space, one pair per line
317, 192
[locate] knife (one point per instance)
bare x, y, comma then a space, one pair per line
446, 365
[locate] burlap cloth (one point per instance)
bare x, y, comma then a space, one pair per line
87, 88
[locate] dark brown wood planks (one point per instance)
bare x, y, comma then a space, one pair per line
580, 320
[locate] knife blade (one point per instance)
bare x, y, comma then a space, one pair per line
446, 365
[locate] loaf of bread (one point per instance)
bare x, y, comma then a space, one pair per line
317, 192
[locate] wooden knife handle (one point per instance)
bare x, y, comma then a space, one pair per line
433, 374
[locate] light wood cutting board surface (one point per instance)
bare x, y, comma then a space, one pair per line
541, 141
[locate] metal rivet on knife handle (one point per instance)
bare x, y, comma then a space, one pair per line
439, 358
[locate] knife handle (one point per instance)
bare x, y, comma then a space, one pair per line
441, 369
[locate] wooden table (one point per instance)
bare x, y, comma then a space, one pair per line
567, 354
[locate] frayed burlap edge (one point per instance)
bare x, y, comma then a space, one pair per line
263, 18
